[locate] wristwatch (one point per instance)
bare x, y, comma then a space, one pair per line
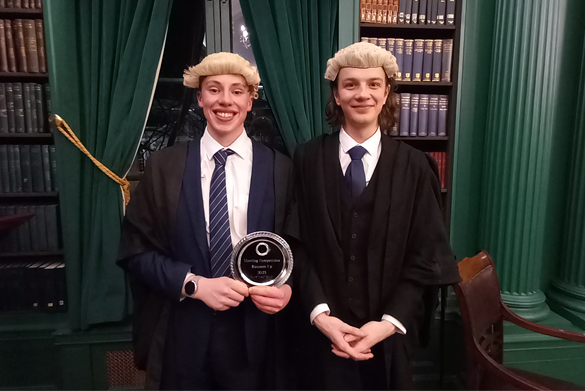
191, 286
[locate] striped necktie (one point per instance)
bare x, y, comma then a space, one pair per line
220, 239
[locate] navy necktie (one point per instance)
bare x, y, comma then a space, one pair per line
355, 175
220, 239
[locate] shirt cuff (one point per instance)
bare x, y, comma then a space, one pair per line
399, 326
319, 309
188, 277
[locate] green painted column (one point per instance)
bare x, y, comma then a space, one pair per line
567, 294
518, 147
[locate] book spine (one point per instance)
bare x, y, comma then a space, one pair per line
414, 12
41, 227
38, 94
362, 10
390, 45
422, 12
46, 167
4, 175
368, 11
399, 54
437, 59
433, 115
441, 11
402, 11
36, 168
450, 14
10, 108
27, 104
417, 59
48, 101
433, 15
407, 73
30, 43
443, 170
34, 231
394, 129
413, 124
407, 11
428, 60
3, 110
25, 169
442, 120
33, 109
10, 46
404, 113
3, 51
23, 231
446, 60
18, 107
374, 11
380, 9
395, 8
26, 4
54, 173
18, 33
52, 227
40, 33
381, 43
385, 10
18, 168
423, 115
11, 169
39, 4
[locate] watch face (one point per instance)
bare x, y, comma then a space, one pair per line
190, 288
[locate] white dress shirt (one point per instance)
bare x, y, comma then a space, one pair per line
370, 159
238, 175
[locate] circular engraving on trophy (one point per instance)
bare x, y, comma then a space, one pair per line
262, 258
262, 249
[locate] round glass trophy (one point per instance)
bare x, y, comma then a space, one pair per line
262, 258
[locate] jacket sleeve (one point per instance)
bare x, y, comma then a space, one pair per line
308, 281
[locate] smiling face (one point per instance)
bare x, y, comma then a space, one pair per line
361, 94
225, 100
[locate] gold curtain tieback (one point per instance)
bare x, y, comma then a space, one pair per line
67, 132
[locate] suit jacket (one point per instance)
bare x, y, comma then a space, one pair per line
408, 248
166, 210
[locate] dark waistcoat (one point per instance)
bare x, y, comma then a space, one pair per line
355, 230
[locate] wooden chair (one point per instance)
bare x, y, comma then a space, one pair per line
483, 313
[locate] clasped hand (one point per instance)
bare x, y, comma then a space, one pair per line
223, 293
351, 342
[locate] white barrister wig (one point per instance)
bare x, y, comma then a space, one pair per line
361, 55
223, 64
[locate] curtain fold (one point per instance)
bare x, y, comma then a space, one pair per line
103, 60
292, 41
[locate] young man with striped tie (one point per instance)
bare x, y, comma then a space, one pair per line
196, 327
372, 229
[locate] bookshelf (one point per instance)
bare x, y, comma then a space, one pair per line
32, 274
439, 145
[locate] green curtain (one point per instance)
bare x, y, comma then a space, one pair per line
103, 59
292, 41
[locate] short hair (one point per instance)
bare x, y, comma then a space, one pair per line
223, 63
387, 118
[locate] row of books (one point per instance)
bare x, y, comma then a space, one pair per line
441, 159
24, 107
22, 46
21, 4
419, 59
39, 234
28, 169
408, 11
422, 115
35, 286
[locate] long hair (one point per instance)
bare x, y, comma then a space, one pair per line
386, 119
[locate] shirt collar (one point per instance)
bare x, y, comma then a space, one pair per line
242, 146
371, 144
